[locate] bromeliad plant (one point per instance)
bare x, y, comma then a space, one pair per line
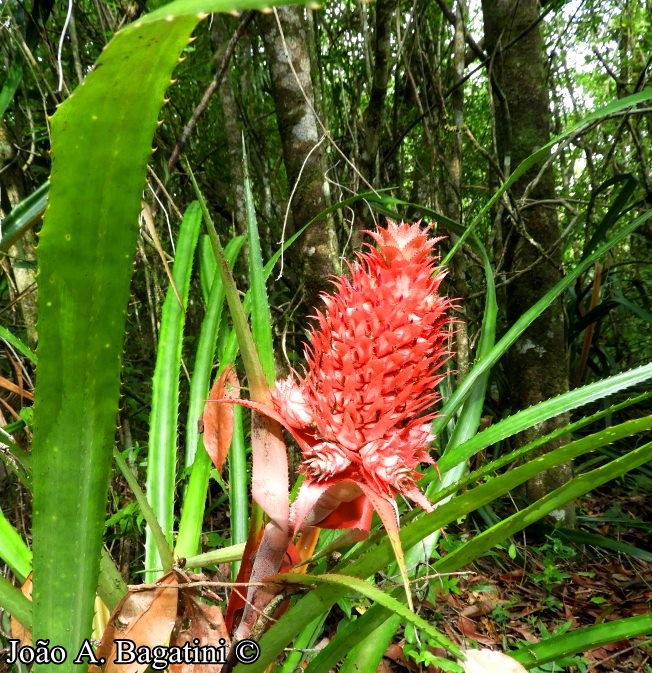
347, 438
361, 412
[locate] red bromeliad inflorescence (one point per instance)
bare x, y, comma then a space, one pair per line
362, 410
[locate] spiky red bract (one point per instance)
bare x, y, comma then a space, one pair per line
363, 408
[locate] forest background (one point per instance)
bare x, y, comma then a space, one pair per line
347, 114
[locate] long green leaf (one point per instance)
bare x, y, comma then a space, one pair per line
101, 142
23, 216
16, 603
583, 639
206, 345
261, 320
354, 584
13, 550
162, 456
192, 509
378, 555
579, 485
18, 344
542, 411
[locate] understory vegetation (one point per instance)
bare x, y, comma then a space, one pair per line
326, 330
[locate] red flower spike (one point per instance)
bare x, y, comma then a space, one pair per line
362, 411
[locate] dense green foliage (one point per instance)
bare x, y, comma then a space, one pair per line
395, 108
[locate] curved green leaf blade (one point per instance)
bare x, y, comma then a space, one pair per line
162, 458
13, 550
583, 639
354, 584
101, 142
542, 411
18, 605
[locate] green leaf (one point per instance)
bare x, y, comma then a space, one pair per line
536, 511
23, 216
261, 320
18, 344
162, 457
368, 652
192, 510
542, 411
101, 143
583, 639
16, 604
353, 584
13, 550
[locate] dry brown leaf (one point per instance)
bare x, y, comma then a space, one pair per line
217, 418
145, 616
17, 629
469, 630
205, 624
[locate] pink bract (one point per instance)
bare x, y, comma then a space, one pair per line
362, 410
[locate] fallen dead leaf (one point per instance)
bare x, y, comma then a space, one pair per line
145, 616
200, 625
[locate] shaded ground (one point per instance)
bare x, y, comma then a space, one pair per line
527, 592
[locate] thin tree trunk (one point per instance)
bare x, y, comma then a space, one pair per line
220, 36
368, 163
285, 36
537, 367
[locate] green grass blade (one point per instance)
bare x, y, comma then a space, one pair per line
23, 216
17, 344
162, 456
15, 603
583, 639
13, 550
515, 331
261, 320
192, 510
542, 411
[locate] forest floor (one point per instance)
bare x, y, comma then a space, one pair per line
542, 589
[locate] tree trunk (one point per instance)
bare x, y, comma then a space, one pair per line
537, 366
368, 163
220, 36
292, 88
